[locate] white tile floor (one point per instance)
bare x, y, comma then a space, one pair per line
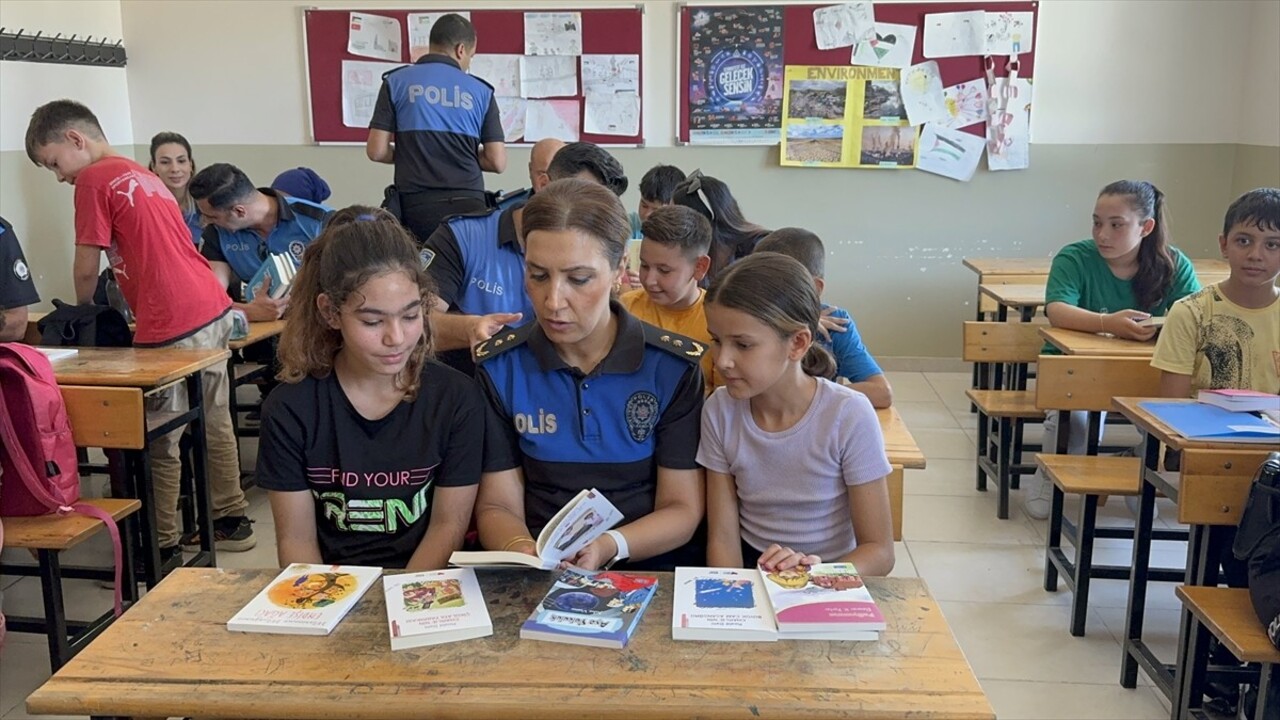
986, 574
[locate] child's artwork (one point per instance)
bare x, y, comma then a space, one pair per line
892, 46
511, 110
500, 71
604, 74
420, 25
922, 94
374, 36
553, 33
551, 119
361, 82
950, 153
843, 25
548, 76
432, 595
612, 114
311, 591
966, 104
955, 34
1008, 33
1009, 133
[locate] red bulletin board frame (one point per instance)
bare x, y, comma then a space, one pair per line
800, 44
614, 31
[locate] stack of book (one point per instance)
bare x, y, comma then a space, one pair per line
1209, 422
280, 269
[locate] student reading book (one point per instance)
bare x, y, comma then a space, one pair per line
583, 519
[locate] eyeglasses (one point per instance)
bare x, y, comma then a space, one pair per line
694, 182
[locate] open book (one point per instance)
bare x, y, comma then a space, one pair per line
281, 269
583, 519
1155, 321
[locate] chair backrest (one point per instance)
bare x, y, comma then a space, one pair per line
1074, 382
113, 418
1215, 484
997, 342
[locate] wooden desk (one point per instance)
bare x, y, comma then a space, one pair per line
1210, 491
240, 373
172, 655
146, 368
1074, 342
901, 450
258, 331
1025, 297
1040, 266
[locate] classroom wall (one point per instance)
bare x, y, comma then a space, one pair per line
1111, 102
30, 197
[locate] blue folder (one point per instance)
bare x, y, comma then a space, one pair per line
1198, 421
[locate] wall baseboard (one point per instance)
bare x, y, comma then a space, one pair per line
923, 364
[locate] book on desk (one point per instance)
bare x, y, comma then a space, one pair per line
305, 599
599, 608
434, 607
1209, 423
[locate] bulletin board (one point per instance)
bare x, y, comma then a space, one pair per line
604, 31
800, 45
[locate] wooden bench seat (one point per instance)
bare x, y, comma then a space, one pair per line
1005, 403
63, 532
1093, 474
1228, 614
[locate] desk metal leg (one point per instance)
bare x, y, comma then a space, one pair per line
55, 610
137, 481
1268, 707
1141, 562
199, 473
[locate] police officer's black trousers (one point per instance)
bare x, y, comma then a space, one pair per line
421, 212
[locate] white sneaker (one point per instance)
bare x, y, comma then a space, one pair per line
1131, 502
1038, 496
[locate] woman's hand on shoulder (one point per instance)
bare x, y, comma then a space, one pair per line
777, 557
1125, 324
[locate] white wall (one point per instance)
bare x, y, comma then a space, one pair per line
1259, 109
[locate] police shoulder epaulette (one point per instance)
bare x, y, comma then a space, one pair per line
395, 69
502, 341
674, 343
483, 212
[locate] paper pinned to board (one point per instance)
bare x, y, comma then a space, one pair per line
548, 76
966, 104
551, 119
553, 33
950, 153
892, 45
955, 34
361, 82
612, 114
511, 111
1008, 33
604, 74
922, 94
375, 36
843, 25
1011, 149
502, 71
420, 25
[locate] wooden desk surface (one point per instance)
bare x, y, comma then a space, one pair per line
1040, 266
258, 331
133, 367
899, 445
171, 654
1128, 406
1075, 342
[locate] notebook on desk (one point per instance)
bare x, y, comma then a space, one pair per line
1197, 421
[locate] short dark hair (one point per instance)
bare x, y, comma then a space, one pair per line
451, 30
1259, 207
578, 156
681, 227
222, 185
659, 183
54, 118
798, 244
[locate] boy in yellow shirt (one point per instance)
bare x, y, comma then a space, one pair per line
1227, 335
673, 260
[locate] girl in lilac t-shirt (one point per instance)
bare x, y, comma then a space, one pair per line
795, 463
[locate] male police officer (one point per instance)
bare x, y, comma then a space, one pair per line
445, 127
17, 290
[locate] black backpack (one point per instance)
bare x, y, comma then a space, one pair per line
1257, 541
84, 326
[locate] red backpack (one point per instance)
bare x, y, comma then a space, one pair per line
37, 453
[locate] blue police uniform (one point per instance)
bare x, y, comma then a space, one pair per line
300, 222
17, 289
639, 409
440, 115
195, 225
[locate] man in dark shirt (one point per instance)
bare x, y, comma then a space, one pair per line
17, 290
445, 128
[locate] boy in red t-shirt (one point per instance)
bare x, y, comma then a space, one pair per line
125, 210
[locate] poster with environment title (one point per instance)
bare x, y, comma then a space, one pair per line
845, 117
735, 75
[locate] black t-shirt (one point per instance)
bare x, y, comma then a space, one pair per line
17, 289
373, 480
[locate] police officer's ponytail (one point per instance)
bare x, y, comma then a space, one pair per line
575, 158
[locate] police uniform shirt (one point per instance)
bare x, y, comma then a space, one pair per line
17, 289
477, 262
439, 115
373, 481
639, 409
245, 250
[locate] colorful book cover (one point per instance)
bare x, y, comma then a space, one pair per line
721, 604
585, 607
439, 606
305, 599
823, 597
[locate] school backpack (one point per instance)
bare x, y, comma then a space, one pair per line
37, 452
84, 326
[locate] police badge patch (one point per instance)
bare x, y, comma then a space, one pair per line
296, 248
21, 271
426, 255
642, 415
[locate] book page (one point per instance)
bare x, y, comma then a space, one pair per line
582, 520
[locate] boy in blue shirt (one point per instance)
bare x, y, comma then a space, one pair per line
854, 365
